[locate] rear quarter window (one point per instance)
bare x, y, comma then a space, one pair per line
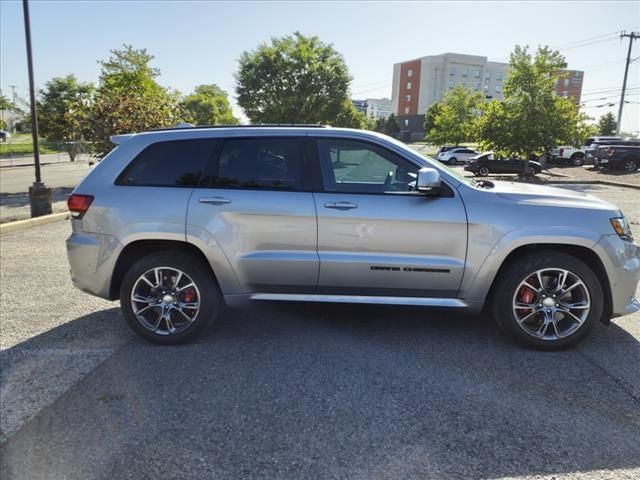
177, 163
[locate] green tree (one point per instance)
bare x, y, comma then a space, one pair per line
294, 79
209, 105
63, 105
391, 126
430, 118
607, 124
5, 104
129, 99
349, 117
456, 117
531, 119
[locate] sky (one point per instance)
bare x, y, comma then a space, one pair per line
196, 42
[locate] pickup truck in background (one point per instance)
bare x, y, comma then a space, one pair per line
621, 156
567, 154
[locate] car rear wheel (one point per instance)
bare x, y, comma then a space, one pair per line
453, 161
577, 160
547, 300
169, 297
530, 171
630, 165
483, 171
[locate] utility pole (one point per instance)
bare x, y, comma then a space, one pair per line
632, 36
13, 95
39, 194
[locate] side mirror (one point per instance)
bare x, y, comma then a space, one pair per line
428, 181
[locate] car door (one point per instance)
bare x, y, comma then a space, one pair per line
255, 204
376, 236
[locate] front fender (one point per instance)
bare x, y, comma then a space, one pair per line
481, 269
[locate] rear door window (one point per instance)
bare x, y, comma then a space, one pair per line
258, 163
176, 163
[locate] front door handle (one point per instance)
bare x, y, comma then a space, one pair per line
341, 205
214, 200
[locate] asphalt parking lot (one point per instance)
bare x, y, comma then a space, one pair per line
300, 391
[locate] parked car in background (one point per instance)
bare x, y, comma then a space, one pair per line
621, 156
485, 163
567, 154
592, 144
4, 135
444, 148
455, 155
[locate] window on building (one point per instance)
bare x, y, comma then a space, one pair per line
499, 77
577, 74
487, 75
406, 110
465, 72
566, 82
498, 89
408, 98
408, 85
477, 86
565, 93
406, 122
452, 71
477, 74
410, 73
451, 83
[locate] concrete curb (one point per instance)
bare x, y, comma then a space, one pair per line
594, 182
32, 222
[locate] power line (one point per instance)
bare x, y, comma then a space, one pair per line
587, 39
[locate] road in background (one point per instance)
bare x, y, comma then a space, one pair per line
15, 182
299, 390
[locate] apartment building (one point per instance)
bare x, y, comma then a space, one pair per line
418, 84
374, 107
569, 84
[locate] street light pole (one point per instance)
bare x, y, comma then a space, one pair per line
632, 36
39, 194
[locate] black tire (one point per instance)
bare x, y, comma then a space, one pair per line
577, 160
530, 171
483, 171
509, 283
453, 161
629, 164
205, 284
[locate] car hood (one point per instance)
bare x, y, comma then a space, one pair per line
530, 194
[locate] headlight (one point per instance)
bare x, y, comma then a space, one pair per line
622, 228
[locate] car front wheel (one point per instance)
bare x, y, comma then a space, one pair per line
453, 161
630, 165
169, 297
547, 300
483, 171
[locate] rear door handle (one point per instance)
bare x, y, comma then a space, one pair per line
341, 205
214, 200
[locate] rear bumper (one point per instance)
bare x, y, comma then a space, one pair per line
92, 259
622, 262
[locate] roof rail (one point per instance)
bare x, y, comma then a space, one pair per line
185, 126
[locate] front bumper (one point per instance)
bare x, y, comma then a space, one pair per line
92, 258
621, 260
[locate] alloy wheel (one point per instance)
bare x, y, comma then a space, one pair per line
551, 304
165, 300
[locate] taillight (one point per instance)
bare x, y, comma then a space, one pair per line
610, 152
79, 204
561, 151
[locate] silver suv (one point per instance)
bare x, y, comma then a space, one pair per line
178, 222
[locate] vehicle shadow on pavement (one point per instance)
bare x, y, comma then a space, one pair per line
337, 391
